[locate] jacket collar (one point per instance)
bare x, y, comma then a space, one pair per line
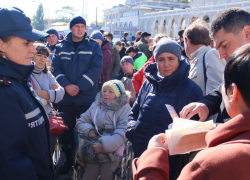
143, 40
14, 70
106, 44
139, 54
236, 129
198, 51
168, 82
115, 104
68, 38
130, 76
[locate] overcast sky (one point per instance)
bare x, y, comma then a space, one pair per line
50, 6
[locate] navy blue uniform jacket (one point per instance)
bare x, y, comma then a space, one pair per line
24, 127
81, 66
149, 115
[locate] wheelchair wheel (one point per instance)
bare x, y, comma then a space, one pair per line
78, 171
56, 154
128, 171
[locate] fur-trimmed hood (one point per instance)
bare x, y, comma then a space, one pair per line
115, 104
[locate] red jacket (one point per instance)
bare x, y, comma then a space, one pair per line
139, 78
227, 156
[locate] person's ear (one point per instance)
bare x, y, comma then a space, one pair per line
2, 46
233, 93
246, 31
187, 41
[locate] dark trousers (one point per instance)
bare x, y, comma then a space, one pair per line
69, 114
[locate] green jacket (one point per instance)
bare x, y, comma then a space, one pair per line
139, 60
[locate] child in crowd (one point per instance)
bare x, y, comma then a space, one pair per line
106, 120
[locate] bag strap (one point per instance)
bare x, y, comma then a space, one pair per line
96, 128
53, 110
94, 121
205, 70
36, 81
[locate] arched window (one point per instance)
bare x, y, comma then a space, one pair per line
121, 24
130, 24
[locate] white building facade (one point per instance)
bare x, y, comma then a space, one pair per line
126, 18
163, 16
170, 22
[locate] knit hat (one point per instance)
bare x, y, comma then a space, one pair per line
97, 35
77, 20
117, 87
127, 59
53, 31
166, 45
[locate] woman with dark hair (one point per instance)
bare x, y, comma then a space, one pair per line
139, 57
120, 46
24, 130
167, 83
44, 83
228, 152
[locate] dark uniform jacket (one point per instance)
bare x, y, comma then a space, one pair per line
24, 127
81, 67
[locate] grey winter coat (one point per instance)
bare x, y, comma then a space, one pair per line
43, 81
112, 117
115, 66
143, 47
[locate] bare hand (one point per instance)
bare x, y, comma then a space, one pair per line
72, 89
97, 147
92, 134
54, 86
159, 140
195, 108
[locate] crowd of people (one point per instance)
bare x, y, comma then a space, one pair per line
111, 92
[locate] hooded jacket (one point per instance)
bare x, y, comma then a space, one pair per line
112, 117
139, 60
24, 129
107, 59
227, 156
149, 115
139, 77
81, 66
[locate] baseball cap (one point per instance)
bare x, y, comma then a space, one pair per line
145, 34
14, 22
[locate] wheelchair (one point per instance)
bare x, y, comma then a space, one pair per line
123, 172
55, 151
